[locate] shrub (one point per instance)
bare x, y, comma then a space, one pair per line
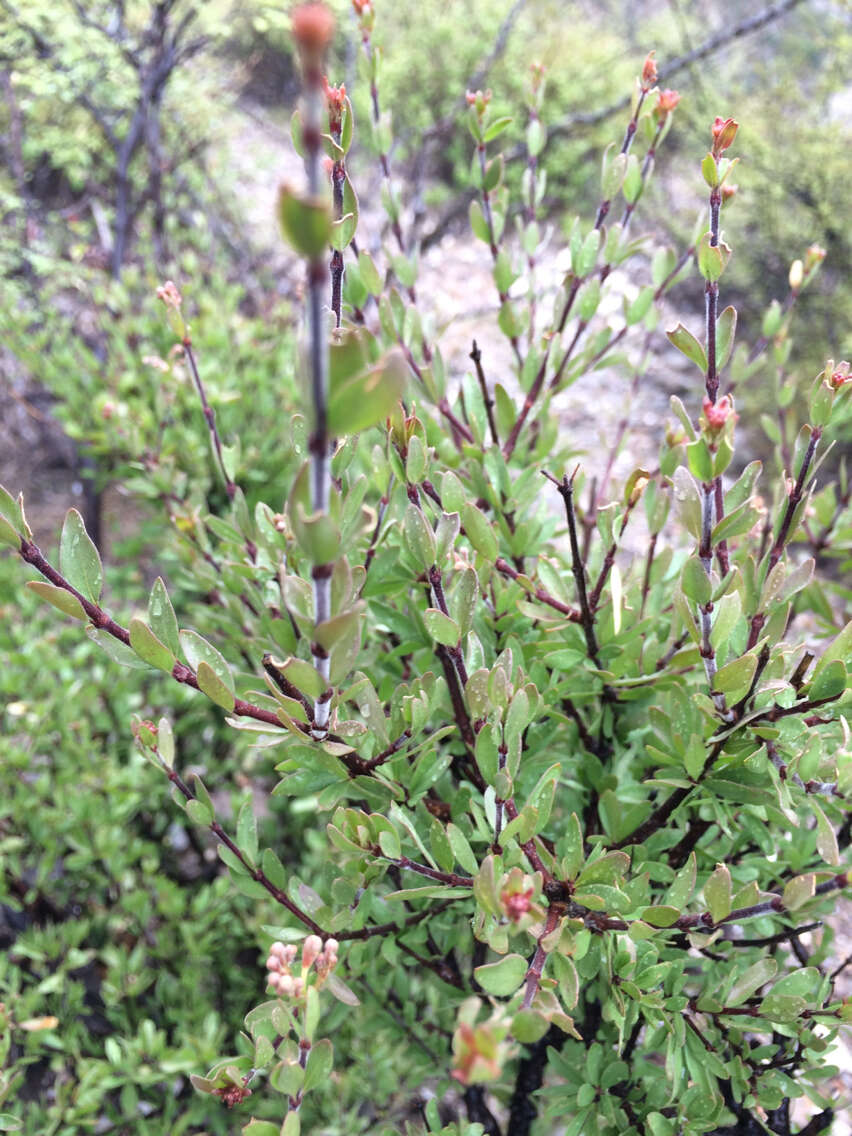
580, 811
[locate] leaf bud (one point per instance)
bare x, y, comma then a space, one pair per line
666, 102
724, 131
649, 71
172, 298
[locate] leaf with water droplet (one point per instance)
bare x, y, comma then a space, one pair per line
197, 650
148, 647
79, 561
161, 616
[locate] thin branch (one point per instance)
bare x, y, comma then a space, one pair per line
476, 356
209, 416
587, 619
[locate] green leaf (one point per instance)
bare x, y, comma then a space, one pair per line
320, 1062
529, 1026
389, 844
306, 222
330, 632
686, 342
287, 1077
735, 523
441, 627
197, 650
604, 870
640, 307
369, 273
830, 682
479, 531
59, 598
8, 535
507, 321
726, 328
478, 223
10, 1123
119, 652
712, 259
305, 677
681, 889
839, 648
709, 170
497, 127
502, 978
419, 536
632, 185
493, 174
680, 410
368, 398
148, 647
589, 298
614, 169
247, 831
461, 849
695, 582
700, 460
661, 915
782, 1007
210, 684
799, 891
166, 742
79, 561
826, 840
343, 229
750, 980
12, 512
273, 869
161, 616
199, 812
717, 893
338, 988
536, 137
261, 1128
735, 677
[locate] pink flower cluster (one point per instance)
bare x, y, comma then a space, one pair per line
282, 956
170, 295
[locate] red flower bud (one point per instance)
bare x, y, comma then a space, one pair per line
649, 71
336, 98
728, 191
724, 131
666, 102
478, 99
840, 377
312, 26
717, 413
814, 256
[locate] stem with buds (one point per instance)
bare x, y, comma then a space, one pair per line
313, 112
